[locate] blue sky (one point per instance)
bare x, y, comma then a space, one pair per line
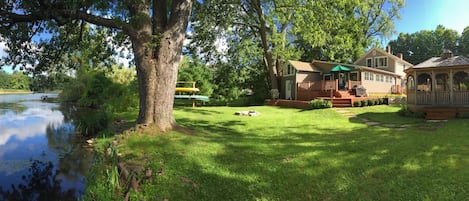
427, 14
420, 15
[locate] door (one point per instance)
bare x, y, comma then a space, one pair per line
288, 89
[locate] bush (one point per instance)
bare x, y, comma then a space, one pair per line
364, 103
357, 104
377, 102
320, 103
404, 111
371, 102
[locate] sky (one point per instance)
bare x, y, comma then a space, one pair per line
420, 15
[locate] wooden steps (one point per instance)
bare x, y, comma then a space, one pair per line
342, 102
440, 113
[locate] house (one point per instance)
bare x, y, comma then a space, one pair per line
378, 71
439, 86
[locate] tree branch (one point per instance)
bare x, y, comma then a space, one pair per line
60, 16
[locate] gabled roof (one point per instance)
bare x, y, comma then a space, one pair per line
385, 53
304, 66
443, 62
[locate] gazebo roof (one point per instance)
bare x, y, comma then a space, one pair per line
443, 62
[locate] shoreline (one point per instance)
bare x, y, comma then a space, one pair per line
15, 92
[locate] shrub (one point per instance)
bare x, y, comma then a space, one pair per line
364, 103
371, 102
357, 104
404, 111
377, 102
320, 103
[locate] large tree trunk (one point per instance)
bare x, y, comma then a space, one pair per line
157, 62
268, 56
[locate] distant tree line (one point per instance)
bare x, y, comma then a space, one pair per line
422, 45
16, 80
39, 83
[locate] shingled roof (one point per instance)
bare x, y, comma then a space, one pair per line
304, 66
443, 62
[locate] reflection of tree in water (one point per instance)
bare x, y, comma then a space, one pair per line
73, 158
14, 107
89, 122
40, 184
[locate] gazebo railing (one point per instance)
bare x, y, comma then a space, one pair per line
442, 98
423, 98
461, 97
439, 98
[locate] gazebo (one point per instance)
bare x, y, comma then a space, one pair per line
439, 86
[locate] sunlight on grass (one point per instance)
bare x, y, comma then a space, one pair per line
292, 154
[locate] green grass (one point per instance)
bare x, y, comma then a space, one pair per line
14, 91
291, 154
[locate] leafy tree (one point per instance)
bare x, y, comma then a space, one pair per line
333, 30
155, 30
18, 80
464, 42
193, 70
422, 45
4, 80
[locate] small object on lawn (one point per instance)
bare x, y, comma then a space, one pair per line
247, 113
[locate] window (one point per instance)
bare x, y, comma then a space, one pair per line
290, 70
327, 77
380, 78
381, 62
368, 62
369, 76
388, 79
354, 76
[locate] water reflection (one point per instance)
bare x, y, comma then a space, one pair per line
41, 153
41, 183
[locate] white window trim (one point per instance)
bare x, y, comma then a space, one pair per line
355, 72
376, 64
293, 71
371, 62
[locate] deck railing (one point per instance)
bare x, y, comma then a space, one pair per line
330, 85
442, 98
310, 85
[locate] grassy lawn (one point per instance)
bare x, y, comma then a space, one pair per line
291, 154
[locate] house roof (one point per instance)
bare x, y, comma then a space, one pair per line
304, 66
443, 62
325, 67
385, 53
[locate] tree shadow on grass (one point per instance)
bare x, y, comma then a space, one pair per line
367, 163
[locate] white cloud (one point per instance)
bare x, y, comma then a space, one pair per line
2, 49
29, 123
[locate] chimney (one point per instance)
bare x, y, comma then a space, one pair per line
446, 54
400, 55
388, 49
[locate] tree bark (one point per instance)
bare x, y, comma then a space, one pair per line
157, 64
268, 56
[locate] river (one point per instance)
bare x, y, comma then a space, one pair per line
41, 155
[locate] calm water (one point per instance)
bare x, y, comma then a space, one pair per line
41, 156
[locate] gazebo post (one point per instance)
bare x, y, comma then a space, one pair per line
415, 88
434, 99
451, 86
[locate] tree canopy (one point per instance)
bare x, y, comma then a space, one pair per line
272, 31
422, 45
39, 33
